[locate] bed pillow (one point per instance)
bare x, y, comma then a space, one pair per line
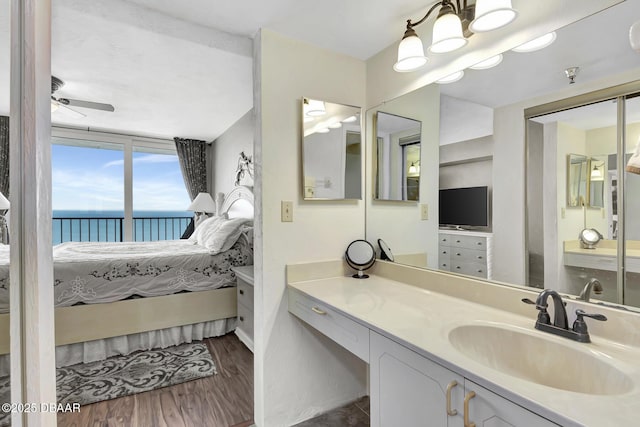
203, 227
222, 234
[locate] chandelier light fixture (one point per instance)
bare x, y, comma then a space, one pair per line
456, 22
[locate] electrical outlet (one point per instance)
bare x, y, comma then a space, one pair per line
424, 212
286, 211
563, 212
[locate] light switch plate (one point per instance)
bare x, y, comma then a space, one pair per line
424, 212
286, 211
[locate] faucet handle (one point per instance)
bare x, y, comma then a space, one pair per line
528, 301
582, 313
543, 316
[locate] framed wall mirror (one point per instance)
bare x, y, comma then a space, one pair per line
578, 175
331, 151
397, 157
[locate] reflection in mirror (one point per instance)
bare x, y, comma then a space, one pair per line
332, 151
482, 142
397, 151
577, 182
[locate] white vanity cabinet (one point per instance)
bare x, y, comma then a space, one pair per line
408, 389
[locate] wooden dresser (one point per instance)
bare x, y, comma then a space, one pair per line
465, 252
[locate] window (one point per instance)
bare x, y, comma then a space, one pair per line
116, 188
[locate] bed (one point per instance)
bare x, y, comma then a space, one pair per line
119, 297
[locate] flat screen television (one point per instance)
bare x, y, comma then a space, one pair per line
464, 207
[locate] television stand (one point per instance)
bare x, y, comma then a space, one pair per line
465, 252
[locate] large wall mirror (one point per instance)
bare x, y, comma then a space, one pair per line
331, 151
524, 168
397, 157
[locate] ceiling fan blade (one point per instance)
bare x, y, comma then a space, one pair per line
87, 104
70, 112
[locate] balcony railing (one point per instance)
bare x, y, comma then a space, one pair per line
110, 229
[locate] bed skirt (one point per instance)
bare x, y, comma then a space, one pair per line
91, 351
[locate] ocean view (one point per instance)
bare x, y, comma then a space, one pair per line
107, 226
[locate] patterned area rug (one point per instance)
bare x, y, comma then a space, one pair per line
125, 375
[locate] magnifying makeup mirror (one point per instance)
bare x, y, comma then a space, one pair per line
385, 251
360, 255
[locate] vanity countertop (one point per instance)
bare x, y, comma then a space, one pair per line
422, 319
603, 256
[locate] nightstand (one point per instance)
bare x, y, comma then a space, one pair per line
244, 330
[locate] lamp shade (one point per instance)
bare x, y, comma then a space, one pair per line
492, 14
315, 108
203, 203
4, 202
537, 43
634, 36
410, 54
447, 34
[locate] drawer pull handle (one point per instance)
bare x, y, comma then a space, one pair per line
451, 412
467, 398
318, 311
479, 243
241, 319
458, 267
457, 241
479, 271
241, 292
479, 256
444, 252
458, 253
444, 265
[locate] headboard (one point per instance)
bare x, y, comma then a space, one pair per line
237, 204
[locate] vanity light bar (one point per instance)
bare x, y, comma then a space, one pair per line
451, 78
536, 44
488, 63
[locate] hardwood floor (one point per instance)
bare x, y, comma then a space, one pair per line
222, 400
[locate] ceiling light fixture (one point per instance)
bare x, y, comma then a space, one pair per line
335, 125
350, 119
595, 173
314, 108
323, 130
536, 44
451, 78
451, 29
491, 15
634, 36
488, 63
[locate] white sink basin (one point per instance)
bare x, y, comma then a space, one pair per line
539, 360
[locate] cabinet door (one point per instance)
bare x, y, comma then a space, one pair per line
410, 390
487, 409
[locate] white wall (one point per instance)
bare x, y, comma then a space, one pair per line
225, 151
298, 372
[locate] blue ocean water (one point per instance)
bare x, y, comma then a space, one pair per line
107, 226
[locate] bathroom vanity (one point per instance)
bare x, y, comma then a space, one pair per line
451, 351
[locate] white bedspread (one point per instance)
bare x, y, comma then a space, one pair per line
96, 272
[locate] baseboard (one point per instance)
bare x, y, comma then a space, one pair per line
246, 340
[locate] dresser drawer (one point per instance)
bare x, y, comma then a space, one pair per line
470, 242
245, 294
346, 332
468, 255
245, 320
470, 269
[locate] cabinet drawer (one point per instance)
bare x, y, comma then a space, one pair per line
245, 320
346, 332
464, 255
245, 294
471, 242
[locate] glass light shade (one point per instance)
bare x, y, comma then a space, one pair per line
634, 36
315, 108
410, 55
54, 105
492, 14
595, 173
350, 119
203, 203
323, 130
4, 202
447, 34
308, 119
451, 78
536, 44
488, 63
335, 125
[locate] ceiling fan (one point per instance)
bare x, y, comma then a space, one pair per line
64, 104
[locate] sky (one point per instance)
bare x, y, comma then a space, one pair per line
93, 179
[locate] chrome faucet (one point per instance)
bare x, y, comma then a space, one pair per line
593, 284
560, 325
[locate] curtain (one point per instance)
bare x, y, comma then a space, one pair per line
192, 155
4, 173
193, 163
